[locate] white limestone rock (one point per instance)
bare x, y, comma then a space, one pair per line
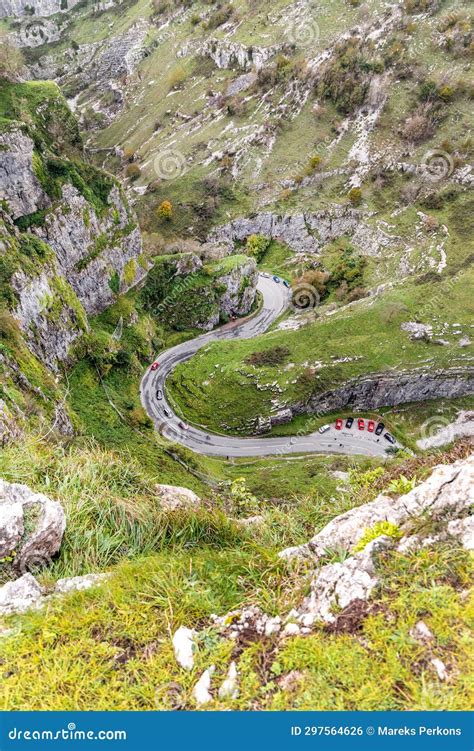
184, 647
43, 519
174, 497
20, 595
447, 492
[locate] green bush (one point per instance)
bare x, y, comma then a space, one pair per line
256, 246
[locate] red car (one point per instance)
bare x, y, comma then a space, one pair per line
371, 426
339, 424
155, 366
361, 423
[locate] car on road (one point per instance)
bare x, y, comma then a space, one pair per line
349, 422
380, 428
183, 425
339, 424
324, 428
361, 423
389, 437
265, 275
277, 279
159, 395
167, 413
371, 426
287, 284
155, 365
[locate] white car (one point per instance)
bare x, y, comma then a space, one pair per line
265, 275
324, 428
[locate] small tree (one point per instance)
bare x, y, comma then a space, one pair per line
165, 211
355, 196
133, 171
257, 246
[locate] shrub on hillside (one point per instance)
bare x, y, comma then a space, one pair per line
355, 196
271, 357
133, 171
256, 246
220, 16
11, 59
165, 211
418, 128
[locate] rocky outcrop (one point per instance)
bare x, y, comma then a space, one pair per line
31, 526
228, 54
15, 8
445, 498
337, 585
173, 498
26, 593
447, 494
390, 389
19, 185
95, 254
308, 232
90, 251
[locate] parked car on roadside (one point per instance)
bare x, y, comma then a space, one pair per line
155, 366
371, 426
339, 424
324, 428
389, 437
380, 428
361, 423
277, 279
349, 422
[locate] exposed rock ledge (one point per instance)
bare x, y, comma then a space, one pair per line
390, 389
15, 8
445, 495
308, 232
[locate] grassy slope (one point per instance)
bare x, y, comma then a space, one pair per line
111, 648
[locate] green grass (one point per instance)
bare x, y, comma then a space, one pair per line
111, 648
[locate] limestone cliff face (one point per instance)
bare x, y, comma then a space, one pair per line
16, 8
70, 237
390, 389
307, 232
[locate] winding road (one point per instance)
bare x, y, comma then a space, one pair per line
276, 299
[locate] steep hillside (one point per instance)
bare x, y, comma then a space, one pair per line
167, 167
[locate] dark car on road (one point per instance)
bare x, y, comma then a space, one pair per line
389, 437
159, 395
349, 422
380, 428
167, 413
277, 279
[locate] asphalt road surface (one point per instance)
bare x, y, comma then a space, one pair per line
276, 298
